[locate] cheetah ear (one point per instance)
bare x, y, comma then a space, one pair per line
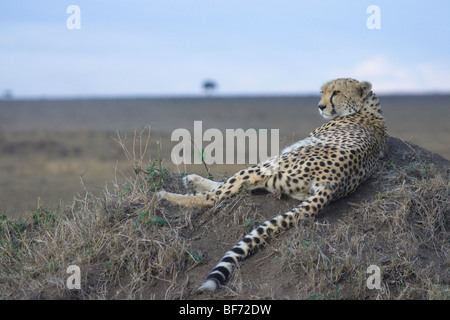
364, 88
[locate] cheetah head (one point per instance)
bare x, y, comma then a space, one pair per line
342, 97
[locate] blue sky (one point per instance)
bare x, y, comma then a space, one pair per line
169, 47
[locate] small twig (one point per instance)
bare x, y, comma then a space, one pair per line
209, 176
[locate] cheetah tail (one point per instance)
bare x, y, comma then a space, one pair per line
222, 271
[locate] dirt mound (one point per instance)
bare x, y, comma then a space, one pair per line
129, 246
398, 220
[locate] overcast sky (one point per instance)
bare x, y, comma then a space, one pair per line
169, 47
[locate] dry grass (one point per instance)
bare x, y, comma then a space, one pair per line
128, 246
404, 231
118, 242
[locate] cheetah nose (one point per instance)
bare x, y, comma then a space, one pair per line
321, 106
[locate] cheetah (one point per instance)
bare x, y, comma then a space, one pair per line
327, 165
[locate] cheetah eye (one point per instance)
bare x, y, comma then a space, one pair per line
335, 93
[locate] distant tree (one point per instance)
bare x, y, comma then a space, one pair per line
7, 94
209, 86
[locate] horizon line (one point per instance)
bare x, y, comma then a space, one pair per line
201, 96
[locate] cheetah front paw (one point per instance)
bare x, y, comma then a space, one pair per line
197, 184
162, 196
192, 183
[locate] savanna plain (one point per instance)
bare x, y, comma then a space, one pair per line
52, 150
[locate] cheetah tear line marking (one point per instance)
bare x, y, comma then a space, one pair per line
329, 164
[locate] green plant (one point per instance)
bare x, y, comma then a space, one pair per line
390, 165
155, 174
196, 257
248, 225
159, 221
380, 196
149, 218
43, 217
319, 297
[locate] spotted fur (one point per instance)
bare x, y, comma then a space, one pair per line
329, 164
